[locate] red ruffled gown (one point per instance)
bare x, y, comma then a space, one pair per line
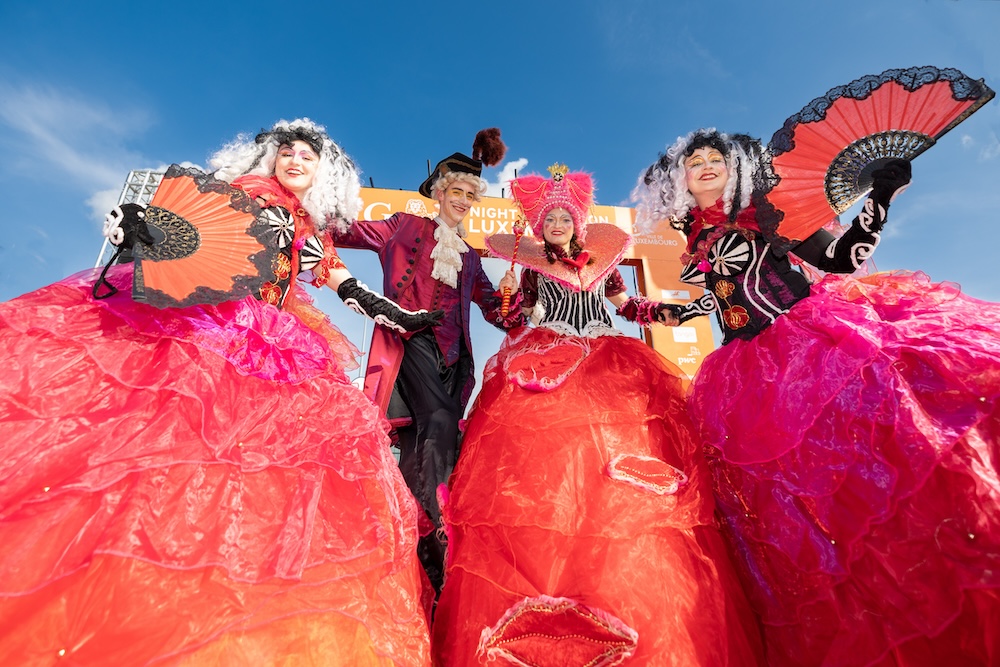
196, 486
580, 514
855, 445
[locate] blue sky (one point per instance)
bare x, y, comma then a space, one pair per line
89, 91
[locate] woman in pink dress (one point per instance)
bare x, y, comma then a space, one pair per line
853, 424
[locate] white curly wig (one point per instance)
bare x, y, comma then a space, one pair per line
335, 192
444, 181
662, 192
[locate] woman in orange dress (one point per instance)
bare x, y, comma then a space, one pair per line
580, 515
203, 485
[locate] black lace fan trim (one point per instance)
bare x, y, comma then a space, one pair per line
239, 200
175, 237
962, 88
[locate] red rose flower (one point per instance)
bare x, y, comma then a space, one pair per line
270, 293
282, 266
736, 317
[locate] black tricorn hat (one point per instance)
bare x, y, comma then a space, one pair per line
487, 149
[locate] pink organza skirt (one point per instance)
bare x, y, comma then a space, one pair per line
855, 448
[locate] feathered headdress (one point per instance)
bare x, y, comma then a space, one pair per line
536, 195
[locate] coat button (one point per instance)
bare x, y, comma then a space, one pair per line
410, 261
418, 239
399, 284
409, 271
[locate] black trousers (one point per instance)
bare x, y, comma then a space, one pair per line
428, 448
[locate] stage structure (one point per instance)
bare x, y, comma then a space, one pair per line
654, 257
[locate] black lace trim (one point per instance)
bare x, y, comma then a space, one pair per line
179, 238
962, 88
854, 175
239, 200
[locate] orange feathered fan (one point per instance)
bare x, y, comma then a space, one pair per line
210, 245
824, 155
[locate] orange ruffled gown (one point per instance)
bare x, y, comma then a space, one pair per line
195, 486
581, 518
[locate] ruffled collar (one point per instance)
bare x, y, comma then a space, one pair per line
447, 254
606, 245
716, 219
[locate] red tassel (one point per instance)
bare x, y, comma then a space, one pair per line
487, 147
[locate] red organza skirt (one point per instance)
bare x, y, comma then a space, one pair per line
581, 518
196, 486
857, 444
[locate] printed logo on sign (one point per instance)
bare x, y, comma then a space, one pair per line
685, 334
655, 239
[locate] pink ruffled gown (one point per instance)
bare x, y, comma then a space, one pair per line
853, 429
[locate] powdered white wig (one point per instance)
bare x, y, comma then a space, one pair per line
444, 181
662, 192
335, 192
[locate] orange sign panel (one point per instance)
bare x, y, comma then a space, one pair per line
655, 256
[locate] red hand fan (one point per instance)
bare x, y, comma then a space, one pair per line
824, 155
210, 247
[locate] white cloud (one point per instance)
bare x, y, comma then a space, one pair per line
61, 135
103, 201
507, 174
991, 150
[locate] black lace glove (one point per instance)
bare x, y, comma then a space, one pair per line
889, 180
384, 311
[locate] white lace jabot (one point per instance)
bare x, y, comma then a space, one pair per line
447, 254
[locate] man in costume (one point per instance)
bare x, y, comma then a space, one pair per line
423, 380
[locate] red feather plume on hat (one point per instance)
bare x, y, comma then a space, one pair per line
487, 147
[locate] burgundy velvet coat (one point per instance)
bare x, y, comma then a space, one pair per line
404, 243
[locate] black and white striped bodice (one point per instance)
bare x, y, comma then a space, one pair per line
577, 313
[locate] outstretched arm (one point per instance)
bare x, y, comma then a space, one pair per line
643, 311
848, 252
366, 234
384, 311
638, 309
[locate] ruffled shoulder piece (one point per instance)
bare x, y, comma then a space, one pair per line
269, 190
606, 244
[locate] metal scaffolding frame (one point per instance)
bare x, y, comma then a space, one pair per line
140, 186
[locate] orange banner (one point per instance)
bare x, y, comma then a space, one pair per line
656, 258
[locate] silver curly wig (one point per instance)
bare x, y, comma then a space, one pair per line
335, 192
662, 193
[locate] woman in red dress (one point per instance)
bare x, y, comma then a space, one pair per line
203, 485
580, 516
